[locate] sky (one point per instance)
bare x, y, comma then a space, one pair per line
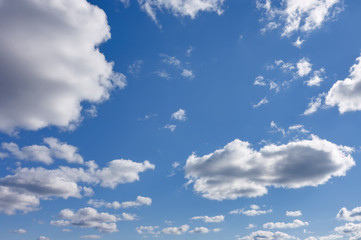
180, 119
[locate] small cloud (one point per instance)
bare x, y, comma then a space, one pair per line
316, 78
304, 67
298, 43
171, 127
162, 74
90, 237
179, 115
19, 231
189, 51
293, 213
135, 67
187, 73
262, 102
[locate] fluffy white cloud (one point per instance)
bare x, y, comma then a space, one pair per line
353, 215
180, 7
295, 224
237, 170
317, 78
304, 67
176, 230
22, 190
140, 201
327, 237
215, 219
52, 52
346, 94
43, 238
267, 235
152, 230
351, 230
45, 154
293, 213
200, 230
179, 115
88, 218
298, 16
187, 73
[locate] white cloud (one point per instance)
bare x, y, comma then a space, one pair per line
88, 218
259, 81
304, 67
171, 127
181, 8
284, 66
140, 201
135, 67
237, 170
295, 224
299, 16
346, 94
250, 226
267, 235
262, 102
179, 115
317, 78
43, 238
170, 60
19, 231
353, 215
152, 230
215, 219
298, 43
293, 213
176, 230
52, 52
352, 230
314, 105
90, 237
23, 190
162, 74
187, 73
251, 212
327, 237
200, 230
278, 129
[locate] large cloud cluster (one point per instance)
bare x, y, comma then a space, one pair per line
237, 170
50, 62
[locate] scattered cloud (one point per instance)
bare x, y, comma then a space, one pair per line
317, 78
180, 8
170, 60
267, 235
19, 231
349, 230
43, 238
298, 43
351, 216
179, 115
262, 102
295, 224
346, 94
215, 219
187, 73
145, 230
171, 127
254, 211
298, 16
237, 170
315, 104
293, 213
162, 74
176, 230
135, 67
200, 230
87, 218
90, 237
250, 226
63, 58
140, 201
304, 67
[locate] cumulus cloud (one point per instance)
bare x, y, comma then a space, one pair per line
200, 230
22, 190
293, 213
295, 224
215, 219
351, 230
45, 154
267, 235
317, 78
152, 230
176, 230
346, 94
179, 115
171, 127
52, 52
88, 218
353, 215
187, 73
237, 170
180, 8
304, 67
43, 238
295, 16
140, 201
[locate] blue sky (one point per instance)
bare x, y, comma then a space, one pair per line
182, 119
